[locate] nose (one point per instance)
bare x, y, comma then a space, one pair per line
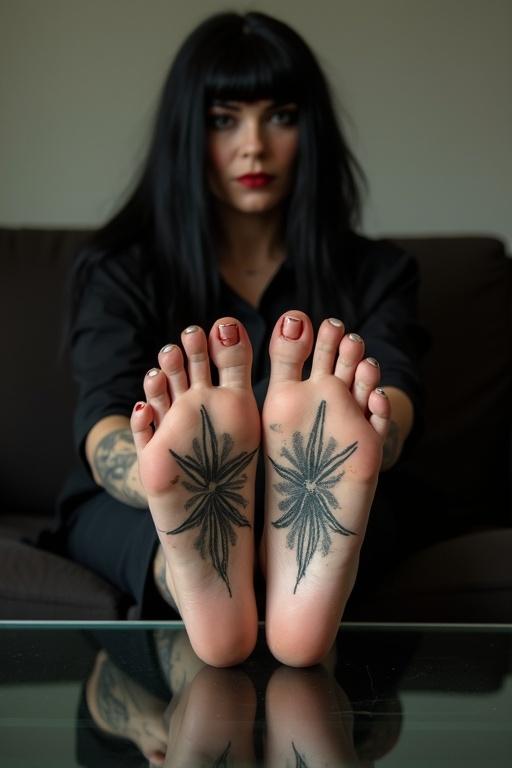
253, 143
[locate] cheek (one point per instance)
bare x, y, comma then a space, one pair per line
289, 149
217, 155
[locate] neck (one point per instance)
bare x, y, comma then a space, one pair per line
250, 240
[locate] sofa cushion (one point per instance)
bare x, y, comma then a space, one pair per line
36, 387
458, 475
465, 579
40, 585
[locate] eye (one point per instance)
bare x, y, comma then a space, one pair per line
219, 121
285, 116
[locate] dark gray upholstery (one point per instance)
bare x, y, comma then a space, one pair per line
452, 492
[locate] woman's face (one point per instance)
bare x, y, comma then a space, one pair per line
252, 147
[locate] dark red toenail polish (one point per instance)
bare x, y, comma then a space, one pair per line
229, 334
292, 328
140, 406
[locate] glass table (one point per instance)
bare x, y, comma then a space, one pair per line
135, 694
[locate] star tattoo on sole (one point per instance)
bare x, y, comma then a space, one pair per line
215, 478
306, 487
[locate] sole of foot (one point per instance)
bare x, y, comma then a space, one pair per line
322, 440
197, 448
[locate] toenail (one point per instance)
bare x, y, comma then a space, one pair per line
191, 329
373, 362
292, 327
139, 406
380, 392
228, 334
355, 337
167, 348
152, 372
337, 323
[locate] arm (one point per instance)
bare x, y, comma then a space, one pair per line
402, 418
112, 458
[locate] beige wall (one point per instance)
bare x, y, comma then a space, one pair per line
427, 83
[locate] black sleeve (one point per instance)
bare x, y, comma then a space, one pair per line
388, 281
113, 340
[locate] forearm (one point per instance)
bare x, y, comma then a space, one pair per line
113, 460
402, 418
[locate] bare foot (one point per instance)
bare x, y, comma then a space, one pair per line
212, 720
323, 446
309, 720
198, 468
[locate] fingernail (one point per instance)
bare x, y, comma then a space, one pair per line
292, 328
191, 329
229, 334
334, 321
167, 348
373, 362
355, 337
139, 406
152, 372
381, 392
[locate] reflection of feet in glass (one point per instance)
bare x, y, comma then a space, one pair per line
121, 707
212, 720
309, 720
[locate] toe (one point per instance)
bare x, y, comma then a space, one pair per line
351, 353
194, 342
290, 346
157, 394
380, 411
140, 423
171, 362
231, 352
366, 378
328, 340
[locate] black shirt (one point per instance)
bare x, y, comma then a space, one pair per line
117, 335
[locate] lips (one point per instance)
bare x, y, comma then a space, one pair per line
255, 180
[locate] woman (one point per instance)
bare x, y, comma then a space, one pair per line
242, 223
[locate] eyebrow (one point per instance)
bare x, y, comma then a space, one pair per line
225, 103
234, 104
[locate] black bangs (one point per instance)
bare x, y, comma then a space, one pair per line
252, 68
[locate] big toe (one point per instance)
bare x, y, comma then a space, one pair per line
290, 346
231, 352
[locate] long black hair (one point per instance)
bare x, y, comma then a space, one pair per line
169, 214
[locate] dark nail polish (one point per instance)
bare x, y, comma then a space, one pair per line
229, 334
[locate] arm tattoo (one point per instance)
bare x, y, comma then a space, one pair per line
115, 461
214, 480
391, 447
306, 488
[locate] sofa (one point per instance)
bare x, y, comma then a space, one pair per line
452, 490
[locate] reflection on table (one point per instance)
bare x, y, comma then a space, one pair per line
151, 701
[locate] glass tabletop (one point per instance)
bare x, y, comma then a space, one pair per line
135, 694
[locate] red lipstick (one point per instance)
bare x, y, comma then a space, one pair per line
255, 180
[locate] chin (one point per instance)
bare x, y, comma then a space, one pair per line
258, 206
